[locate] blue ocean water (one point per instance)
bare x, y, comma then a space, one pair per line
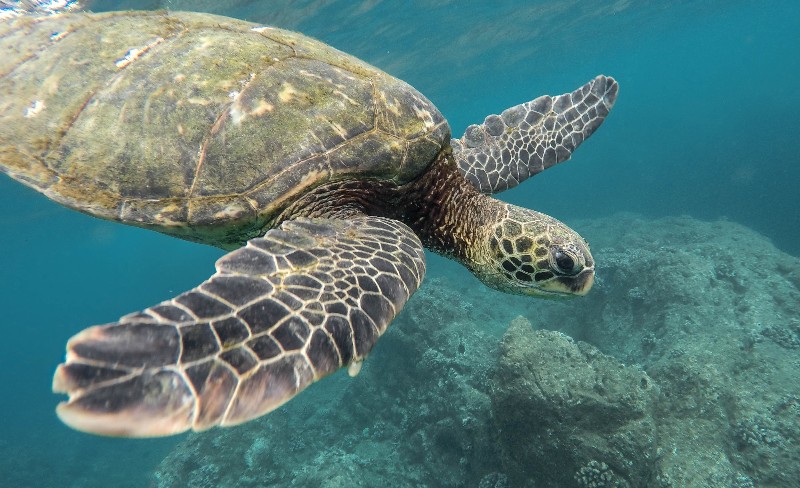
705, 125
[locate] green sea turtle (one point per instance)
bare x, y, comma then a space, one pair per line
324, 176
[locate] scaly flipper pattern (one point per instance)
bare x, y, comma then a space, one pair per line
528, 138
287, 309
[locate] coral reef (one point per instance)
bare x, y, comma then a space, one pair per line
682, 372
597, 475
559, 404
709, 311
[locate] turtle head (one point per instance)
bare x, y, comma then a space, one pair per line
529, 253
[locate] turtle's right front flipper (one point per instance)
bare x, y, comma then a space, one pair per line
280, 313
526, 139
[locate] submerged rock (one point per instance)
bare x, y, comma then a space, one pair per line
564, 409
710, 311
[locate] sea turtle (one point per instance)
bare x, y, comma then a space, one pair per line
323, 175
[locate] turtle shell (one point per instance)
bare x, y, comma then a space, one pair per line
196, 125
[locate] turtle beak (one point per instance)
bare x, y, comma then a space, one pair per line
567, 286
583, 282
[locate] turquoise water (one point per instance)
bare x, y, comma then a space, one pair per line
705, 125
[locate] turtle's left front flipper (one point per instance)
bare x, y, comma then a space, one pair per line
287, 309
526, 139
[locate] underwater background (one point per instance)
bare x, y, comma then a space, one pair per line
689, 195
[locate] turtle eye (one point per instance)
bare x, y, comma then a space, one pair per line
564, 262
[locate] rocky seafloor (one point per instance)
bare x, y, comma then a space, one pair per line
679, 369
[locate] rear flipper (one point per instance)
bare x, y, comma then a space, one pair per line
526, 139
279, 314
